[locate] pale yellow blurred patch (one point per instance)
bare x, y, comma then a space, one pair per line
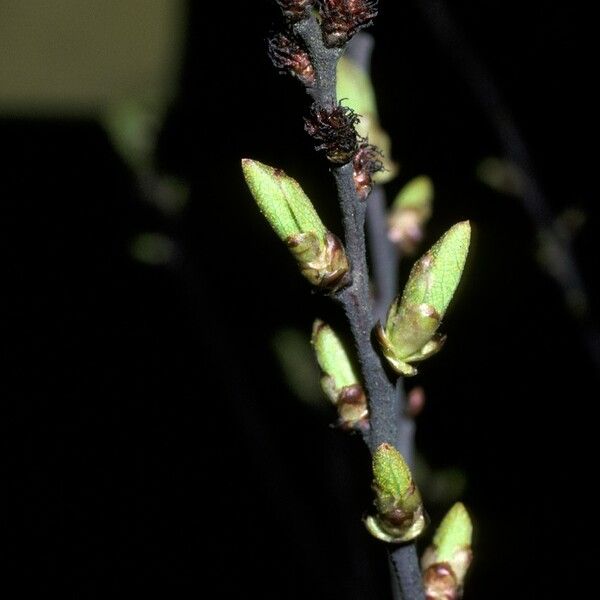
80, 57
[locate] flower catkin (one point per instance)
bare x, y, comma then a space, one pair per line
333, 128
295, 10
289, 56
341, 19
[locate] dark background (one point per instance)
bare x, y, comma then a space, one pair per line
152, 442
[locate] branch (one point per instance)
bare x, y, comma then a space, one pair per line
385, 404
564, 268
385, 256
408, 572
324, 61
384, 409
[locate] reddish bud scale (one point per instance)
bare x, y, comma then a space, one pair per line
341, 19
352, 408
295, 10
440, 583
288, 56
366, 162
415, 402
333, 129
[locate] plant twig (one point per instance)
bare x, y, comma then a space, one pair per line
564, 268
384, 402
384, 255
384, 410
385, 258
324, 61
405, 562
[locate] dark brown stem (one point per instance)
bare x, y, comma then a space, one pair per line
385, 258
324, 61
385, 403
384, 409
408, 572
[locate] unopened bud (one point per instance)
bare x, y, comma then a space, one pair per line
319, 253
446, 561
400, 516
366, 163
412, 321
410, 212
322, 260
355, 88
340, 381
341, 19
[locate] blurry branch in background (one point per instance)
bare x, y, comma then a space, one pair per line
514, 174
404, 225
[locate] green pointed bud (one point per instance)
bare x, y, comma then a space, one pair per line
332, 356
281, 200
355, 89
400, 516
319, 253
339, 381
412, 321
446, 561
410, 212
454, 533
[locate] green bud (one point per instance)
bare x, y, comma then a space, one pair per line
446, 561
339, 380
355, 89
281, 200
319, 253
417, 194
410, 212
400, 515
455, 532
412, 321
332, 356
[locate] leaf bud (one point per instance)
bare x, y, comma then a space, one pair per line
446, 561
410, 212
400, 515
340, 381
355, 88
413, 319
319, 253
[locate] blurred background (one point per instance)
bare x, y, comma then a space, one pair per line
164, 425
